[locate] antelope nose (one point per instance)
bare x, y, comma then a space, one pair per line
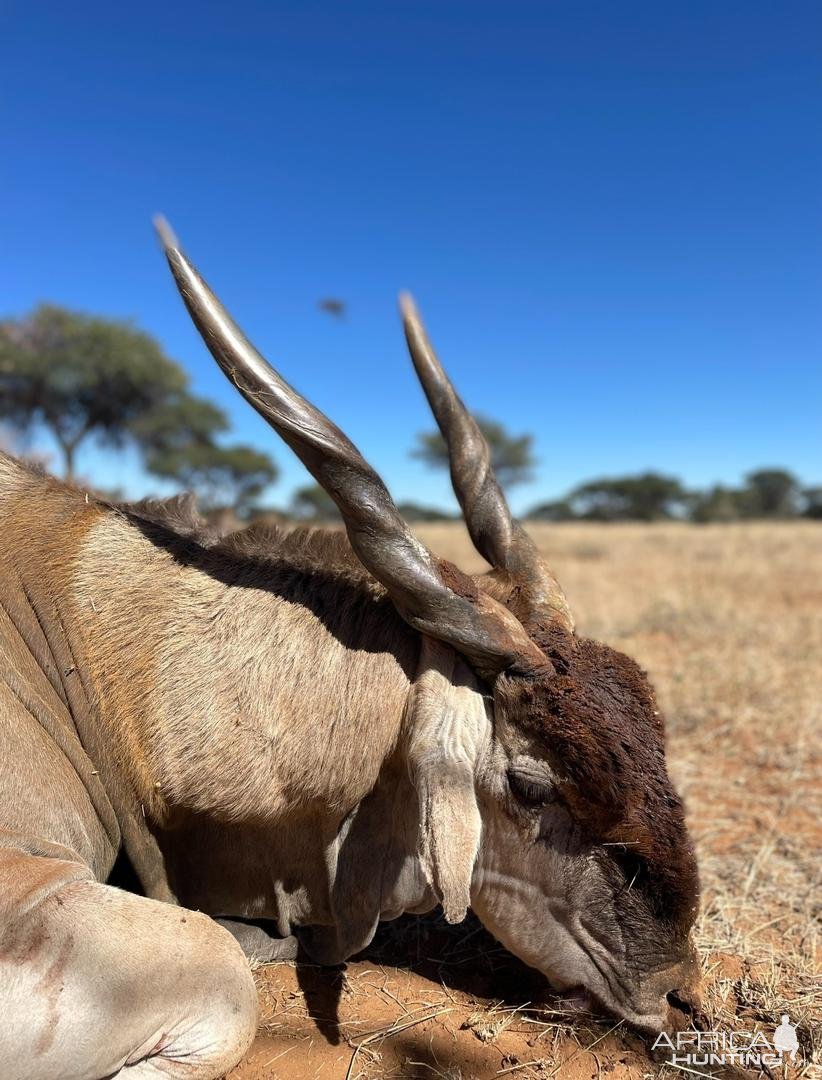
683, 1008
679, 988
683, 1003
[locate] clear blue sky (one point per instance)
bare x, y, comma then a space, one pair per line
609, 213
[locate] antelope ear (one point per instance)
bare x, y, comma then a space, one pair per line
447, 727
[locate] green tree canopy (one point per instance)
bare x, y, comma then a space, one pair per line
512, 456
647, 497
414, 512
79, 375
771, 493
178, 422
767, 493
717, 503
313, 503
220, 475
813, 502
555, 510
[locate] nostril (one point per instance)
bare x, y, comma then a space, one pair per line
686, 1006
676, 1000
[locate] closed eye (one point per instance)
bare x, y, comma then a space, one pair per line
529, 791
633, 866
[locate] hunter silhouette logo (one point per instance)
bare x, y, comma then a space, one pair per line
746, 1049
784, 1038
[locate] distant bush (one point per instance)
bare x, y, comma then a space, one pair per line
770, 493
418, 512
716, 504
813, 502
647, 497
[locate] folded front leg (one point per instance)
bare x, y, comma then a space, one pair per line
259, 944
96, 982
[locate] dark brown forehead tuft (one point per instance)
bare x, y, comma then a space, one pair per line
603, 732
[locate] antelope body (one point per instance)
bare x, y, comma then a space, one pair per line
299, 735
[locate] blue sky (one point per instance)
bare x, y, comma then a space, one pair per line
608, 212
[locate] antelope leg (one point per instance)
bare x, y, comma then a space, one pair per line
258, 944
98, 983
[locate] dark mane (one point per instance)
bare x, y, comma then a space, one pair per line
312, 550
309, 549
178, 513
29, 465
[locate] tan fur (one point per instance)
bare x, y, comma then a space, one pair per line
97, 982
217, 687
45, 524
13, 476
236, 701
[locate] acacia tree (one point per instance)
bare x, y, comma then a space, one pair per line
771, 493
313, 503
79, 376
718, 503
179, 421
647, 497
512, 456
220, 475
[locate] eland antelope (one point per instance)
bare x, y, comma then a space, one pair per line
290, 736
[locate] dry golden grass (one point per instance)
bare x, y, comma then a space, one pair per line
728, 621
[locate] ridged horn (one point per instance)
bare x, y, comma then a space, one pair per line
431, 595
496, 535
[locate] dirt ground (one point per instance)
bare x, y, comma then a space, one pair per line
728, 621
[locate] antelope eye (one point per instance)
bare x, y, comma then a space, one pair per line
633, 866
529, 791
